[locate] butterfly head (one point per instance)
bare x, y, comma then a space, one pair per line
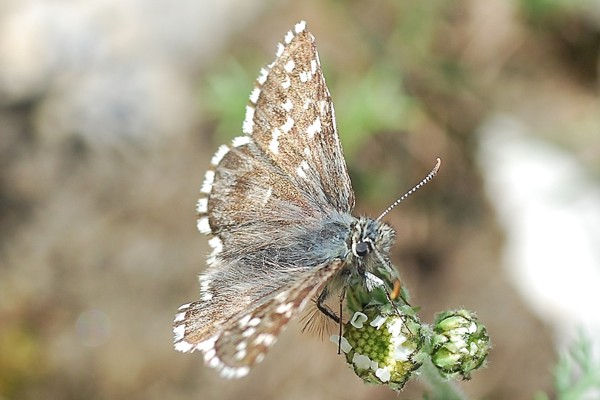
371, 240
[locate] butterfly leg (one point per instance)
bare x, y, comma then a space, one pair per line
328, 312
324, 308
342, 296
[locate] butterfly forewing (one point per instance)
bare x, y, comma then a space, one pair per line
293, 122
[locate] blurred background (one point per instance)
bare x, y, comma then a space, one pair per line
109, 114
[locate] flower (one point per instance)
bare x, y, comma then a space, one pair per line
382, 348
460, 344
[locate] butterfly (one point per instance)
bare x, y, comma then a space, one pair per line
276, 204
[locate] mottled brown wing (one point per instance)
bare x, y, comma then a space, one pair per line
245, 338
292, 120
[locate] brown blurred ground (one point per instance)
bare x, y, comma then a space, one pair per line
99, 173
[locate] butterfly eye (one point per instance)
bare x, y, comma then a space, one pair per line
362, 248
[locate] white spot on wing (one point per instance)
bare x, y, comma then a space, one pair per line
306, 103
287, 106
219, 155
240, 141
204, 226
212, 360
209, 179
206, 296
281, 296
207, 346
288, 37
313, 66
280, 49
289, 123
262, 78
216, 244
179, 332
179, 317
234, 373
274, 144
202, 206
240, 354
242, 322
284, 308
184, 346
249, 332
304, 76
289, 66
254, 95
205, 293
301, 168
249, 120
265, 338
286, 83
300, 26
314, 128
241, 345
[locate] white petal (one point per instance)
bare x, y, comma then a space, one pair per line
361, 361
383, 374
378, 321
357, 319
402, 353
344, 344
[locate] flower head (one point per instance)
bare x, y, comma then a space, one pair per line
460, 344
382, 348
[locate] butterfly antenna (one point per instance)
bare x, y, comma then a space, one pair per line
429, 177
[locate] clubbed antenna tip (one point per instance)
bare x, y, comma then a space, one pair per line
429, 177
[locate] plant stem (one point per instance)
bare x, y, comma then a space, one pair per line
439, 388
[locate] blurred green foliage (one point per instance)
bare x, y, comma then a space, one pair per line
577, 373
224, 93
21, 361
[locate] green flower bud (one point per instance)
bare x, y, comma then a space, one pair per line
382, 348
460, 344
